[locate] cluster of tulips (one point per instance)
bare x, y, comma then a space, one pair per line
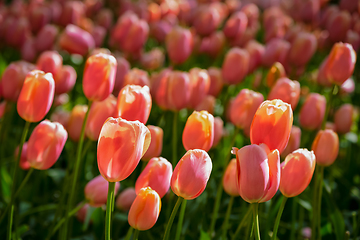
98, 71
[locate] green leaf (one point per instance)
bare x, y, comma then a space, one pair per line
335, 216
204, 235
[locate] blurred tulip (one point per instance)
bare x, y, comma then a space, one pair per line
72, 12
206, 20
23, 163
76, 121
123, 67
257, 172
343, 118
125, 199
286, 90
272, 124
338, 25
229, 179
136, 76
45, 39
46, 144
39, 16
99, 76
235, 26
199, 86
61, 116
179, 44
216, 81
276, 50
330, 125
218, 130
50, 61
213, 44
207, 104
105, 18
153, 59
191, 174
235, 66
81, 214
36, 96
353, 38
160, 29
321, 77
28, 50
276, 71
145, 209
156, 143
296, 172
121, 145
76, 41
96, 191
65, 80
302, 49
256, 52
326, 147
199, 131
312, 111
294, 141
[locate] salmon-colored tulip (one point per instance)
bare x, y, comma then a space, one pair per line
338, 24
229, 179
207, 104
216, 81
191, 174
199, 86
276, 50
123, 67
235, 66
46, 37
179, 44
218, 130
302, 49
207, 19
65, 80
50, 61
96, 191
199, 131
61, 116
294, 141
76, 40
296, 172
28, 51
312, 111
81, 214
276, 71
236, 25
153, 59
326, 147
157, 175
121, 145
36, 96
98, 113
76, 121
99, 76
46, 144
213, 44
257, 172
125, 199
134, 103
137, 77
286, 90
156, 143
272, 124
145, 209
23, 163
256, 51
344, 118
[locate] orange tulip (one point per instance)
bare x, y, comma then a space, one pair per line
326, 147
36, 96
125, 199
145, 209
229, 179
199, 131
96, 191
50, 61
272, 124
76, 121
23, 163
276, 71
312, 111
286, 90
156, 143
121, 145
218, 130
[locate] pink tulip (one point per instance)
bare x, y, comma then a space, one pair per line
235, 66
256, 52
153, 59
276, 50
76, 40
216, 81
61, 116
343, 118
96, 191
229, 179
236, 25
207, 104
46, 37
65, 80
125, 199
218, 130
199, 86
338, 25
286, 90
207, 19
312, 111
156, 143
137, 77
179, 44
213, 44
28, 50
76, 121
326, 147
302, 49
123, 67
50, 61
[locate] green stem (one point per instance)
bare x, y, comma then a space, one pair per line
181, 220
242, 223
278, 217
315, 196
129, 233
76, 171
109, 209
256, 220
136, 234
227, 216
174, 139
319, 200
16, 167
294, 210
171, 219
354, 225
333, 93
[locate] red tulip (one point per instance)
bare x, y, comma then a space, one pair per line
50, 61
65, 80
45, 39
76, 40
294, 141
344, 118
235, 66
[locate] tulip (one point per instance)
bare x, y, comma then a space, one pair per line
207, 19
81, 214
326, 147
123, 67
121, 145
160, 29
213, 44
286, 90
321, 77
207, 104
191, 174
65, 80
125, 199
28, 51
46, 37
229, 179
61, 116
235, 26
258, 172
302, 49
272, 124
145, 209
46, 144
296, 172
216, 81
199, 86
276, 50
104, 18
343, 118
157, 175
312, 111
36, 96
235, 66
218, 130
76, 40
23, 164
338, 25
137, 77
96, 191
76, 121
256, 51
199, 131
156, 143
294, 141
179, 44
71, 13
153, 59
50, 61
276, 71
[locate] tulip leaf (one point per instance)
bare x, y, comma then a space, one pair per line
335, 216
5, 184
204, 235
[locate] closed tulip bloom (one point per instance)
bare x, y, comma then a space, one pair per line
258, 172
36, 96
96, 191
157, 175
125, 199
207, 19
28, 51
338, 25
137, 77
50, 61
134, 103
218, 130
302, 49
286, 90
65, 80
236, 25
256, 51
153, 59
46, 144
81, 214
235, 66
207, 104
179, 44
344, 118
312, 111
199, 86
229, 179
98, 113
61, 116
191, 174
276, 50
213, 44
121, 145
296, 172
76, 40
294, 141
123, 67
145, 209
23, 163
156, 143
46, 37
244, 106
76, 121
199, 131
321, 77
216, 81
326, 147
99, 76
276, 71
272, 124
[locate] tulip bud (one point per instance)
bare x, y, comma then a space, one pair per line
81, 214
23, 163
76, 121
276, 50
145, 209
312, 111
326, 147
218, 130
191, 174
344, 118
296, 172
257, 172
235, 66
338, 25
46, 37
123, 67
235, 26
76, 41
36, 96
229, 179
276, 71
156, 143
46, 144
286, 90
294, 141
216, 81
179, 44
137, 77
256, 52
125, 199
50, 61
61, 116
213, 44
207, 104
96, 191
302, 49
65, 80
272, 124
199, 86
207, 19
121, 145
104, 18
28, 51
153, 60
72, 12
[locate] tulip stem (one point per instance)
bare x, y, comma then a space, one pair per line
242, 223
174, 139
171, 219
129, 233
76, 172
319, 200
181, 220
333, 93
109, 210
278, 217
314, 207
256, 220
11, 204
136, 234
227, 216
